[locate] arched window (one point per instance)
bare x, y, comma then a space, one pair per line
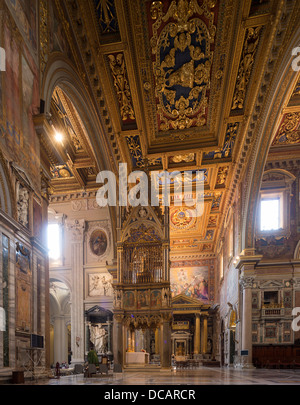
2, 320
54, 241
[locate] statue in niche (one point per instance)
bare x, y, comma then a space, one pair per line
22, 206
117, 299
98, 336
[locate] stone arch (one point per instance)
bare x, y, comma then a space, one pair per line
297, 251
283, 172
60, 315
60, 73
283, 83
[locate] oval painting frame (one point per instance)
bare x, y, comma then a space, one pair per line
98, 242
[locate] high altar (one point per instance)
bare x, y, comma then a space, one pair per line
142, 297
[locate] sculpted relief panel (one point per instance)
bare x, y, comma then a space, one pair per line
100, 284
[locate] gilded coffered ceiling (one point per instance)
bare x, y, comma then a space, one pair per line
176, 83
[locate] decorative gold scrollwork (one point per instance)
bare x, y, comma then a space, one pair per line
118, 69
245, 68
289, 131
183, 62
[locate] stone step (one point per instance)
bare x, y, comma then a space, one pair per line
140, 367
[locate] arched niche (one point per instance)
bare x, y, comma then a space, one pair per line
59, 298
98, 315
60, 73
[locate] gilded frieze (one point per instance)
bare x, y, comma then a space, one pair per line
186, 158
121, 85
289, 131
222, 176
43, 34
246, 66
135, 149
229, 142
61, 172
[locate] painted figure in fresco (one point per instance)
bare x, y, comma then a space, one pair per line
155, 299
129, 299
142, 299
190, 282
182, 275
98, 243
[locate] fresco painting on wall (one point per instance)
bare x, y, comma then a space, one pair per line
190, 281
17, 133
156, 299
98, 242
25, 13
58, 41
129, 299
142, 301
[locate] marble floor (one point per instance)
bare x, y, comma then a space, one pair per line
202, 376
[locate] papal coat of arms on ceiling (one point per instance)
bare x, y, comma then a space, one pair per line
182, 59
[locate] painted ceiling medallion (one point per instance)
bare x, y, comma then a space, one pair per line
182, 67
182, 218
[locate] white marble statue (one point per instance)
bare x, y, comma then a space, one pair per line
23, 203
98, 337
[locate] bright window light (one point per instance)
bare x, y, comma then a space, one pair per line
58, 137
54, 241
270, 214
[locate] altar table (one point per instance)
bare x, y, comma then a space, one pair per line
137, 358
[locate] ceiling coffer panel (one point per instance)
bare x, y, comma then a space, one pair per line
181, 37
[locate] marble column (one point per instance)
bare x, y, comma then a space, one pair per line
75, 234
197, 335
109, 345
118, 340
165, 342
246, 264
204, 337
246, 284
156, 341
87, 336
60, 340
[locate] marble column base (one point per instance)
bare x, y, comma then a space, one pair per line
77, 361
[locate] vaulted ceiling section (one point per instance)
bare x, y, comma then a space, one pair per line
176, 83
